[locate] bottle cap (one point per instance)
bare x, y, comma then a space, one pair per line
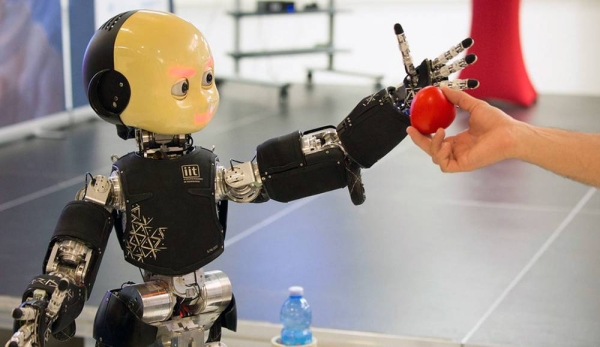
296, 291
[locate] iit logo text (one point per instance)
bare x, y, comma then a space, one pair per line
191, 173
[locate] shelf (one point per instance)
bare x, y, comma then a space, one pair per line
324, 49
239, 14
327, 48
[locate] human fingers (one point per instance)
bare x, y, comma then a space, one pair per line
462, 99
436, 144
443, 158
422, 141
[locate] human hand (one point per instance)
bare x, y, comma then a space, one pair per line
490, 137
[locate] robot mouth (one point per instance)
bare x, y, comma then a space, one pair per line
202, 118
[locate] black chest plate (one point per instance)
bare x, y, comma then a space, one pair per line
171, 224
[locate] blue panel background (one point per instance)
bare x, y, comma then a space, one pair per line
81, 16
31, 67
47, 14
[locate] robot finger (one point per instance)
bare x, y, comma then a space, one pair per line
57, 298
458, 65
24, 313
451, 53
22, 338
459, 84
408, 63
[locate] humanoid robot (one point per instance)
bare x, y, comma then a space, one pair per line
152, 75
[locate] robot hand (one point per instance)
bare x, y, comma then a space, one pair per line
42, 312
378, 123
433, 72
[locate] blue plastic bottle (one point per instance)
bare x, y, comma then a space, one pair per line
296, 316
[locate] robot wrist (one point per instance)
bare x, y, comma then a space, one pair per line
375, 126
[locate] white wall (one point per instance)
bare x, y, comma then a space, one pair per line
560, 39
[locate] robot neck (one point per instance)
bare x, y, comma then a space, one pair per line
160, 146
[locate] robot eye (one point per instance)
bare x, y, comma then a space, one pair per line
207, 78
179, 90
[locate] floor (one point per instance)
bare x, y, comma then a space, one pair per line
506, 255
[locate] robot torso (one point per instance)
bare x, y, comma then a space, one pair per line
170, 225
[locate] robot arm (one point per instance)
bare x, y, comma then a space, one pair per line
299, 164
54, 299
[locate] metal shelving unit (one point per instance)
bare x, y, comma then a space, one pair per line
328, 48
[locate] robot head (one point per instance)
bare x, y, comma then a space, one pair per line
153, 71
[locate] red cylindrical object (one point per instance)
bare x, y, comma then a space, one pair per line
500, 68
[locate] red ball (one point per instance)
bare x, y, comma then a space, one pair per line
431, 110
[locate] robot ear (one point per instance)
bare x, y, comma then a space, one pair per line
109, 93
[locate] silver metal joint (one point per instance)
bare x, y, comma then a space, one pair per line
118, 197
239, 183
70, 258
161, 146
156, 299
159, 294
98, 190
320, 140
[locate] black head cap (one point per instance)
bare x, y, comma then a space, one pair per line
99, 76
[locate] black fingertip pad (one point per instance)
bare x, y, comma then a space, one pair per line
470, 58
472, 84
63, 285
17, 313
468, 42
398, 29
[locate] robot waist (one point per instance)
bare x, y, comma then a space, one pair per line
192, 295
138, 314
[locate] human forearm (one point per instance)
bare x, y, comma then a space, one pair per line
571, 154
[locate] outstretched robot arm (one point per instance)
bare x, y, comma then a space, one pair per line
54, 299
302, 164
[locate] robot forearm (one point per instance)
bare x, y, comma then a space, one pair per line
82, 232
54, 299
78, 243
298, 164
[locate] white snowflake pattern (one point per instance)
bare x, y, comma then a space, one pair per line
144, 240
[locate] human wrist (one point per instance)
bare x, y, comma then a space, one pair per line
518, 139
